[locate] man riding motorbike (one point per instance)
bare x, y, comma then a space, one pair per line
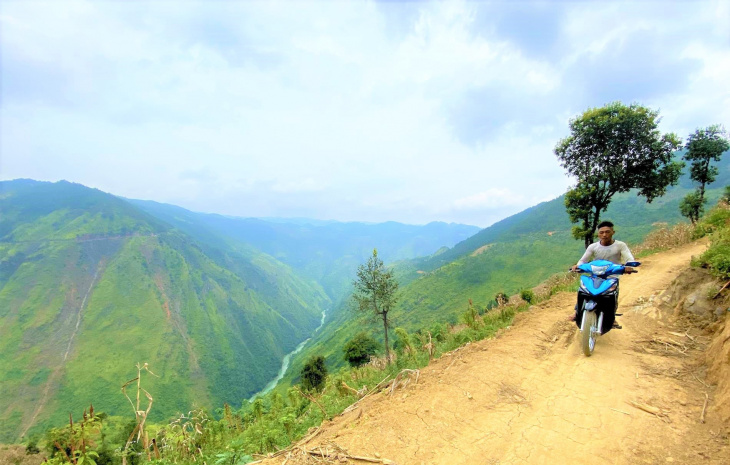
607, 248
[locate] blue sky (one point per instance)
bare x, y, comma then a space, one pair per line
369, 111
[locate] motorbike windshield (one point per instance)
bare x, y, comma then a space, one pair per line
601, 268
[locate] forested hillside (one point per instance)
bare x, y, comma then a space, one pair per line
91, 285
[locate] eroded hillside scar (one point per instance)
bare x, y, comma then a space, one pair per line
53, 378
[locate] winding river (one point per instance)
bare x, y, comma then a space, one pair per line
285, 363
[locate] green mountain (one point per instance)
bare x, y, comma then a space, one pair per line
325, 251
90, 285
516, 253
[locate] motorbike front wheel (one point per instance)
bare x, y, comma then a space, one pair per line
588, 333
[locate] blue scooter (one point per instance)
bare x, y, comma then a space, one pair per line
597, 300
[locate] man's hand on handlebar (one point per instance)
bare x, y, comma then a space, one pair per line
574, 268
630, 269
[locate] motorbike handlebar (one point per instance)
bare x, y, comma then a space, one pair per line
633, 270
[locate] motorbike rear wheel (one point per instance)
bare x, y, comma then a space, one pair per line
588, 333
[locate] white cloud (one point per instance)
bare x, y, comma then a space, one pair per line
347, 110
489, 199
298, 186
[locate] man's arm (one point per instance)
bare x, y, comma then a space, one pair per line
626, 254
587, 255
585, 258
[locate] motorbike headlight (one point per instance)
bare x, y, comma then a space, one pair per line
612, 288
599, 270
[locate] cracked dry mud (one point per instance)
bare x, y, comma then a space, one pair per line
530, 396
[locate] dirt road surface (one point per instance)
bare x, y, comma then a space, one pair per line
530, 396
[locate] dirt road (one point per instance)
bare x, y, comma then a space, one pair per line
530, 396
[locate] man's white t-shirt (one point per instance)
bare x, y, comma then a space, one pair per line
617, 253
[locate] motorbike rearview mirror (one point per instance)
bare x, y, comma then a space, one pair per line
632, 264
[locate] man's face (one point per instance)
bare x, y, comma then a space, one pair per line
605, 234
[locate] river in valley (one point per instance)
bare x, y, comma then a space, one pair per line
287, 358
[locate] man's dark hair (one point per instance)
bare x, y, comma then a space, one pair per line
604, 224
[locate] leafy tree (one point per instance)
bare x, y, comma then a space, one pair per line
314, 374
611, 150
375, 292
359, 349
692, 206
703, 147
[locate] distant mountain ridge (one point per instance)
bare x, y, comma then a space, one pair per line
326, 251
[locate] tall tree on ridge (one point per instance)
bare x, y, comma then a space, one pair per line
375, 291
610, 150
703, 147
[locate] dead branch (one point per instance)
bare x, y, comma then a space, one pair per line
352, 457
139, 415
404, 382
700, 381
314, 400
659, 413
358, 392
429, 347
619, 411
721, 289
374, 390
704, 408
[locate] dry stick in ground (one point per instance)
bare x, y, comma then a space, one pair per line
701, 382
353, 457
358, 392
620, 411
289, 449
334, 451
650, 409
374, 390
704, 407
140, 415
721, 289
407, 380
314, 400
429, 347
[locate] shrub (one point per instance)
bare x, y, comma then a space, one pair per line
692, 206
314, 374
32, 447
439, 331
717, 256
359, 349
718, 217
471, 316
403, 341
527, 295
